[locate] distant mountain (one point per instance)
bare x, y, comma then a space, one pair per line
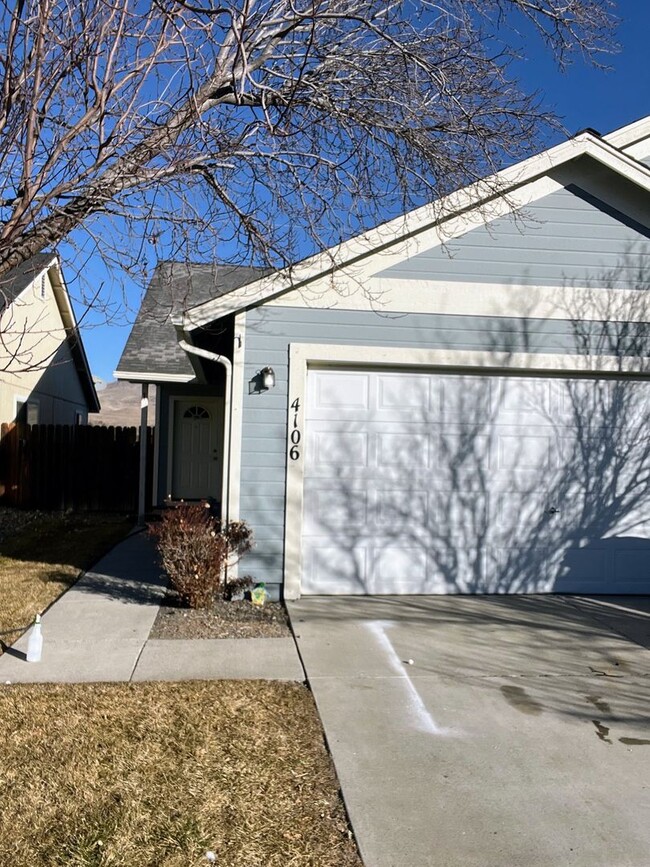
121, 405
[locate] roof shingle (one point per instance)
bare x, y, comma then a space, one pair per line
152, 346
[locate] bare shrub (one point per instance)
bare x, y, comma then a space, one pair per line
195, 550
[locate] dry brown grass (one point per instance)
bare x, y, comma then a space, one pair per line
40, 562
130, 775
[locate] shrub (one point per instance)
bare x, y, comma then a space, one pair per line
195, 550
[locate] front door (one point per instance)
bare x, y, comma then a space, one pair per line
197, 449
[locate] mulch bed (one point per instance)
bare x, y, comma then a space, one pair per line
223, 620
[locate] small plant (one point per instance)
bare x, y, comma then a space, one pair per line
195, 550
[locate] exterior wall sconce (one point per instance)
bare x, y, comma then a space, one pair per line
268, 377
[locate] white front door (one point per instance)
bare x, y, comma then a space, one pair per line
197, 448
447, 483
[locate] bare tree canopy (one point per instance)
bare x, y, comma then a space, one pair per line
254, 124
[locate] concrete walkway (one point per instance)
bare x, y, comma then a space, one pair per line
486, 731
99, 631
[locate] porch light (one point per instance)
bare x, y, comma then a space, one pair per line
268, 377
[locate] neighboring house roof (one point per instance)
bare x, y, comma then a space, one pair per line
448, 218
20, 278
152, 346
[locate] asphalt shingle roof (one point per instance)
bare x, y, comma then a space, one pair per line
152, 346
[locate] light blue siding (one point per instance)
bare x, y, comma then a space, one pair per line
270, 330
567, 238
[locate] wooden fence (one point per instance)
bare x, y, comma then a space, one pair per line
80, 467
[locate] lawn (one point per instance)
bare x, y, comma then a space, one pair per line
156, 775
40, 560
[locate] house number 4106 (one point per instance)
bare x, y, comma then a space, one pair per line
295, 436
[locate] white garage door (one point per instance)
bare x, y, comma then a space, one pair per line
444, 483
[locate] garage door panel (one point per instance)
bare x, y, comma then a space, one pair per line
465, 399
520, 401
405, 450
404, 393
519, 569
458, 515
591, 563
544, 487
462, 452
339, 392
328, 508
456, 569
333, 569
399, 569
632, 566
526, 452
338, 448
396, 508
518, 511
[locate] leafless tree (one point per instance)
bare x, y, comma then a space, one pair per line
257, 128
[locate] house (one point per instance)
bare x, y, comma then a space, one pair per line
44, 372
454, 402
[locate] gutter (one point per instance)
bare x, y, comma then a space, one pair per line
226, 363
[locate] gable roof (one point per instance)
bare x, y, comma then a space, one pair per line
152, 349
448, 217
20, 278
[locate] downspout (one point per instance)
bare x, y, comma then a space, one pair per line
226, 363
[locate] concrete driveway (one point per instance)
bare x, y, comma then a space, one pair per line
518, 737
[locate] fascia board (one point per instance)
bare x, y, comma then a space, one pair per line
629, 135
471, 198
139, 376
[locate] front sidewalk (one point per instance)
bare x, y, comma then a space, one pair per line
99, 632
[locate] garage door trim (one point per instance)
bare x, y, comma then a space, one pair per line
302, 356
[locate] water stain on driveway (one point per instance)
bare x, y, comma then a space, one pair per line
518, 698
602, 731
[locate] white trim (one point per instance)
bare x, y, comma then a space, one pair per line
153, 377
396, 356
23, 400
402, 296
236, 410
640, 150
493, 195
628, 136
303, 356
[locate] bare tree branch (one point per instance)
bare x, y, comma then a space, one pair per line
249, 128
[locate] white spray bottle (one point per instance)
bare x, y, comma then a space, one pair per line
35, 643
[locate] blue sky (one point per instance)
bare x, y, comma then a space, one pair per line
582, 96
